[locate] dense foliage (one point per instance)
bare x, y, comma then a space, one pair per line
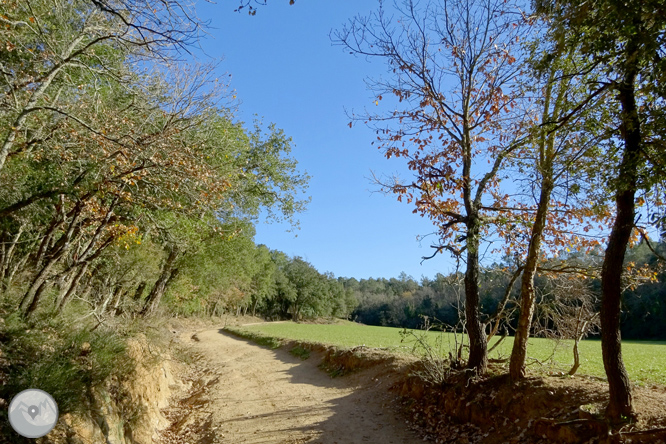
404, 302
121, 175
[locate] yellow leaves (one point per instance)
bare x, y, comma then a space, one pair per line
32, 19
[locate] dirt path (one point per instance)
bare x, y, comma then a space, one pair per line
269, 396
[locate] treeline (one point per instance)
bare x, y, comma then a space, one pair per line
126, 186
406, 302
257, 281
122, 175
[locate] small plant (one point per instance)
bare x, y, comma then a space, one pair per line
569, 311
434, 368
65, 359
300, 352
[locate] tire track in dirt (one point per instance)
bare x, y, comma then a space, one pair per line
269, 396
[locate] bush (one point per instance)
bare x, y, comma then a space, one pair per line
62, 358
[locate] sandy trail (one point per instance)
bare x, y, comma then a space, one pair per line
270, 396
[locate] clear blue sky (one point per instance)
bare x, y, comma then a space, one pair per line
285, 70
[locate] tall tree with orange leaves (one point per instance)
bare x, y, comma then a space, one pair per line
453, 71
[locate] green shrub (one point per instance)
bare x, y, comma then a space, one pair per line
300, 352
62, 358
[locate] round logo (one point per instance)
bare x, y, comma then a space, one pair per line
33, 413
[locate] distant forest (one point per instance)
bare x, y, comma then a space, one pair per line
405, 302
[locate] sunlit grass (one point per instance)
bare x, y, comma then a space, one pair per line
645, 360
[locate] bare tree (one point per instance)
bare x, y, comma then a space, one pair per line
569, 311
453, 72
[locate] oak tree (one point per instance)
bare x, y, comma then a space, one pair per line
452, 82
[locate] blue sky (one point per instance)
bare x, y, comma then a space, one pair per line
285, 70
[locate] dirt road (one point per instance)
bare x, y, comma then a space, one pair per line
269, 396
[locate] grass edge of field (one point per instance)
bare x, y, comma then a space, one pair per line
640, 373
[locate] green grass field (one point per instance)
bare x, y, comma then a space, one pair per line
645, 361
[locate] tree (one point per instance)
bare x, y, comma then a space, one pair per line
136, 151
453, 69
75, 45
559, 158
572, 312
625, 41
102, 187
309, 289
251, 5
263, 279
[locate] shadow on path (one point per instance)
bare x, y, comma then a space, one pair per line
271, 396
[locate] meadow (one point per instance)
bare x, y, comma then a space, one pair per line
645, 360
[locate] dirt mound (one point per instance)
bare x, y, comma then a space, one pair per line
540, 409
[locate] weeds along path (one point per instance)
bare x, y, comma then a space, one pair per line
269, 396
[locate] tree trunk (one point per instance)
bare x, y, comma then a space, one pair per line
102, 310
527, 292
37, 297
8, 253
579, 336
118, 297
153, 299
139, 291
64, 282
7, 282
46, 242
28, 303
72, 288
478, 345
255, 301
620, 402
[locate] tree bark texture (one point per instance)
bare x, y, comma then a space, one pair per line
153, 299
620, 402
478, 346
527, 292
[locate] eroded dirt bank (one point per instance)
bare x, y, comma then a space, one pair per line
256, 395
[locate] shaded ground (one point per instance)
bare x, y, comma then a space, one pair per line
250, 394
538, 410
